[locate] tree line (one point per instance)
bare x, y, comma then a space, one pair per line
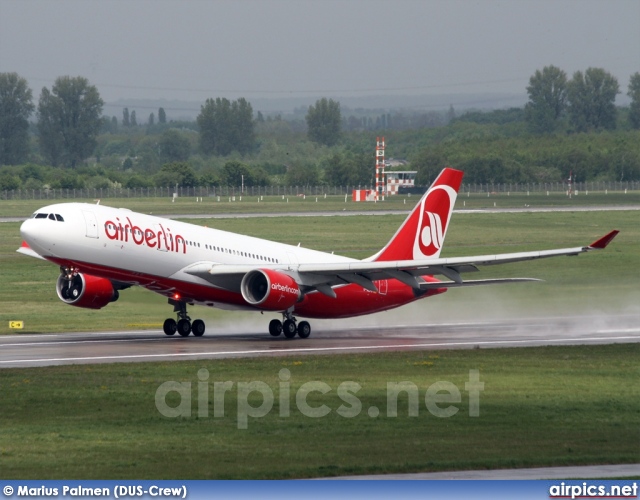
69, 119
229, 143
586, 101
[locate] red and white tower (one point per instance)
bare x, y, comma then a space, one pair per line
380, 180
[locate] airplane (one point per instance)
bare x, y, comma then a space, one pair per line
103, 250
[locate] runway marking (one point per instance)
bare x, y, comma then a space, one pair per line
318, 349
47, 335
162, 338
619, 330
23, 344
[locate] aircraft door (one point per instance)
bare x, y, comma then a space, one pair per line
91, 224
293, 260
163, 244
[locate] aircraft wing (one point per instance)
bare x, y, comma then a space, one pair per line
322, 277
225, 276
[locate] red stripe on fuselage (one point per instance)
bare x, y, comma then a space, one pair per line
164, 286
352, 300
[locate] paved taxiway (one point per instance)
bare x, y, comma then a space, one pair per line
346, 213
139, 346
582, 472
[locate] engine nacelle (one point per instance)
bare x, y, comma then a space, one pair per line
84, 290
269, 290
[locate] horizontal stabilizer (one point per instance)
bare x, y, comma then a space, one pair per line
453, 284
25, 249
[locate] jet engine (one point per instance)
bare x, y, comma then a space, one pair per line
84, 290
269, 290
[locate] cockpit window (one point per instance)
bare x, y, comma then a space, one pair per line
56, 217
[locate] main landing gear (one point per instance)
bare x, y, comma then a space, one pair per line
183, 326
289, 327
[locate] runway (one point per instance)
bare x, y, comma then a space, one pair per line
143, 346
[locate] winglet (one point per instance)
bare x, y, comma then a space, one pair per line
605, 240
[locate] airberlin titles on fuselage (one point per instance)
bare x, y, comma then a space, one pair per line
153, 239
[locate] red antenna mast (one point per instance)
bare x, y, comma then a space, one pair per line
380, 181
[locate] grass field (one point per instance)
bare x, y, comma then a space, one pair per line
539, 407
313, 203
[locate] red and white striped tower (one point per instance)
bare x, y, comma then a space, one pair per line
380, 182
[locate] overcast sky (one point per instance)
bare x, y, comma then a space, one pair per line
192, 50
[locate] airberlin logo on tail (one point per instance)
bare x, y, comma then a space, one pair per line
432, 233
434, 219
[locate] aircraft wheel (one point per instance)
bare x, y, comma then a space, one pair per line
184, 327
170, 326
197, 327
275, 327
304, 330
289, 329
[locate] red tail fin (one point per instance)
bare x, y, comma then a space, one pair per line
422, 234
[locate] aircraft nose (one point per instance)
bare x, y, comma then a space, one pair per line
35, 234
39, 235
27, 230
